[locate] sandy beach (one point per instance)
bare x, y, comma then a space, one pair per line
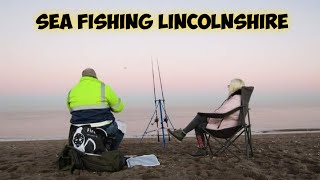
284, 156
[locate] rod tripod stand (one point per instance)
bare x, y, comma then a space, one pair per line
164, 118
159, 107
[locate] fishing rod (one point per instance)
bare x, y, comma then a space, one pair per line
159, 103
166, 118
155, 101
164, 106
160, 81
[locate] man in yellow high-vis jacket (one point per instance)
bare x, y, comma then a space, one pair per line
91, 102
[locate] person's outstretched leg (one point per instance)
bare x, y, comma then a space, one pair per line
181, 133
198, 120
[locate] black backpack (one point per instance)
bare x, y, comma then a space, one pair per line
89, 149
89, 139
109, 161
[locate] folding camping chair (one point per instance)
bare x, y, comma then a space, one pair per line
233, 133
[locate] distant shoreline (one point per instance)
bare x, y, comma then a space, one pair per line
290, 130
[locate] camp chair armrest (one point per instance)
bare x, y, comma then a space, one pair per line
219, 115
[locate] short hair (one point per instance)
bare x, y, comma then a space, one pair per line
89, 72
235, 85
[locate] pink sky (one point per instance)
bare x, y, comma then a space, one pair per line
48, 64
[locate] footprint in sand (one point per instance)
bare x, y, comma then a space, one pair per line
3, 168
11, 169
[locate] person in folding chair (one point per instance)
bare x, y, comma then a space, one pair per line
91, 103
217, 126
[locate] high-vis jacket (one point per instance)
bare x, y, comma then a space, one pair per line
92, 102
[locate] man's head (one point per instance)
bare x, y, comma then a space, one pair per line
89, 72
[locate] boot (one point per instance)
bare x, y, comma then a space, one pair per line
200, 152
178, 134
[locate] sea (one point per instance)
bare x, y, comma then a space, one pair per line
52, 124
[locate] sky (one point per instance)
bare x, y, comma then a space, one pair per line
39, 67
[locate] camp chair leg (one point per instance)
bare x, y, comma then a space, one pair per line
250, 142
208, 143
246, 142
249, 133
235, 139
224, 146
230, 142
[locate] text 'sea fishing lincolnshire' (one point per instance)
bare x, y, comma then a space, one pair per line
191, 21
